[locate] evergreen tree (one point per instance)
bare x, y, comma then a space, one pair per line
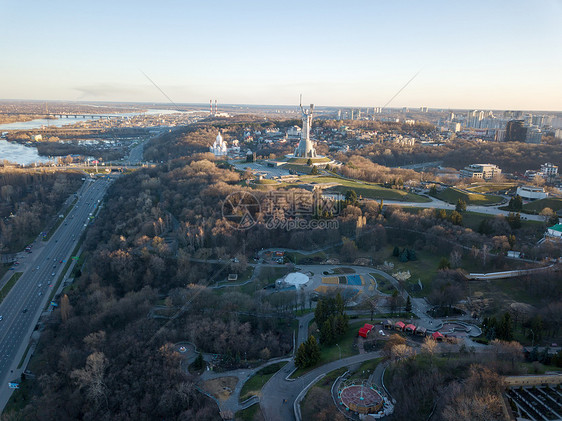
327, 333
456, 218
408, 307
301, 358
313, 350
351, 197
396, 251
340, 306
461, 206
403, 256
314, 170
198, 364
444, 264
319, 313
341, 325
411, 254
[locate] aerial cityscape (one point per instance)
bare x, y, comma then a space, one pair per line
281, 211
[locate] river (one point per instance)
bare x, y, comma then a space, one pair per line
25, 155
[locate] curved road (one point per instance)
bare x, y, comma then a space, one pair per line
277, 389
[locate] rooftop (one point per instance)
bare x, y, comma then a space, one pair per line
557, 227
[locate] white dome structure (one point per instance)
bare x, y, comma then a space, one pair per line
220, 146
296, 279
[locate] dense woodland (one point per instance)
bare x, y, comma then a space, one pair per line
29, 200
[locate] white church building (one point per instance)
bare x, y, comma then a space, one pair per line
220, 147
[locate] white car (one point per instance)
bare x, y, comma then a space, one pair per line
1, 318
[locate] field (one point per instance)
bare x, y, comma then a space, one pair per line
452, 195
553, 203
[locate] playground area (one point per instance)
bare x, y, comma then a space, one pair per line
354, 280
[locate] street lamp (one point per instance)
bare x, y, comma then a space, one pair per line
339, 349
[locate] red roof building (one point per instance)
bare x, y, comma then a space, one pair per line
437, 336
363, 332
368, 326
399, 326
410, 328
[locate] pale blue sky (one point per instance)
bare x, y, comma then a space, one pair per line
472, 54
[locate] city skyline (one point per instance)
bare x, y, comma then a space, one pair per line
487, 56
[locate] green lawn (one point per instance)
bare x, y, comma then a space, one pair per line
383, 285
253, 413
365, 189
452, 195
255, 383
332, 352
553, 203
424, 269
366, 368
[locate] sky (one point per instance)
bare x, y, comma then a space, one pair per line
501, 54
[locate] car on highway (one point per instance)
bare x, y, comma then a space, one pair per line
53, 274
1, 318
24, 310
37, 268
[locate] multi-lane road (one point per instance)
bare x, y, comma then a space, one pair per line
22, 307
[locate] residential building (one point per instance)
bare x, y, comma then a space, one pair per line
483, 171
549, 170
533, 135
515, 131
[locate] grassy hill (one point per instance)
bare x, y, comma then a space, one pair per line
554, 203
452, 195
365, 189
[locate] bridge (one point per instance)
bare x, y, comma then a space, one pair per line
65, 115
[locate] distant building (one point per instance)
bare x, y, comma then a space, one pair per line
455, 127
533, 135
294, 132
531, 193
483, 171
549, 170
500, 135
515, 131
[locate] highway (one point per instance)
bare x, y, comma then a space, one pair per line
22, 307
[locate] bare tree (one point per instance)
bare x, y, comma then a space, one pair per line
91, 377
